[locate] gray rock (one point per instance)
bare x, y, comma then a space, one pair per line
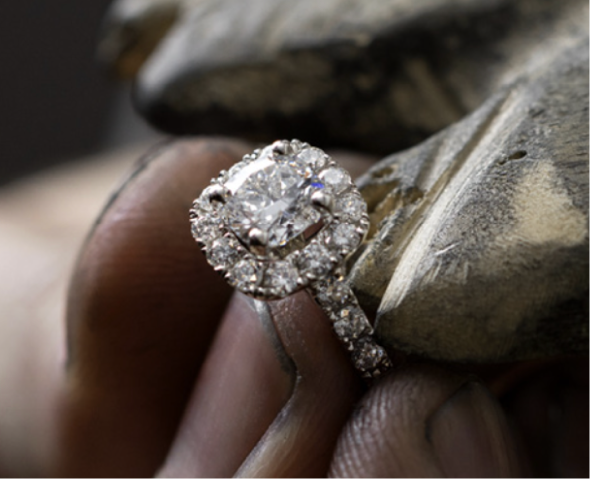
132, 29
377, 75
481, 249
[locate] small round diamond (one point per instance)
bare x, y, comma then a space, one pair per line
282, 277
336, 179
245, 275
223, 253
314, 157
351, 207
315, 261
206, 229
368, 355
203, 205
333, 291
345, 237
352, 327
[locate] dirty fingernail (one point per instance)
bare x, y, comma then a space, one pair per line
470, 436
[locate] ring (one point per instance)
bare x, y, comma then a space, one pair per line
285, 218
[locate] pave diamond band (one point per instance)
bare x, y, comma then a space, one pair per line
285, 218
351, 326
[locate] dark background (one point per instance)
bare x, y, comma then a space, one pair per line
57, 103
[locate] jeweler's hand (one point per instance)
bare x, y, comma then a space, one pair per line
169, 373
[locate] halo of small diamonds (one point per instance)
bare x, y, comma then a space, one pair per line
283, 217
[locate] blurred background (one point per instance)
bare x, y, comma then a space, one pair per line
57, 102
68, 136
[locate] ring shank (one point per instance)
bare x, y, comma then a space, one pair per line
351, 326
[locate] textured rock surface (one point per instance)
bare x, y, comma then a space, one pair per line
482, 247
378, 75
132, 30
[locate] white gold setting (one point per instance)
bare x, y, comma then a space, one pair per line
286, 218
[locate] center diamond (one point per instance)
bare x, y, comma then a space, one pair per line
274, 197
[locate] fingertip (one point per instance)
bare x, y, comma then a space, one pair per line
425, 421
142, 310
301, 440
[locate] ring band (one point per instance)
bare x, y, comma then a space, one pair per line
286, 218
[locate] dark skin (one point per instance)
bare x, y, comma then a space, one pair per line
169, 372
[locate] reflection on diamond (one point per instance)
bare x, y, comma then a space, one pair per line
333, 291
235, 169
244, 275
202, 204
206, 228
282, 276
315, 260
351, 207
223, 253
345, 236
336, 178
352, 327
368, 355
272, 196
314, 157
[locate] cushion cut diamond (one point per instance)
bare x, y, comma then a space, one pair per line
274, 197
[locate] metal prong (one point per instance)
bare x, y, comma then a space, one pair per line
296, 145
258, 240
217, 192
280, 147
323, 200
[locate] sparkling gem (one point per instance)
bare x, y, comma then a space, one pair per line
223, 252
315, 260
202, 205
345, 237
282, 276
336, 178
206, 228
244, 275
352, 327
351, 207
368, 355
333, 291
314, 157
272, 196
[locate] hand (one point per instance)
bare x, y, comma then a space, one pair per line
168, 372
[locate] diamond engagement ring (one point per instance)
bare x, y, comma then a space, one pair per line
286, 218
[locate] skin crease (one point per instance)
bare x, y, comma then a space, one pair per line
163, 376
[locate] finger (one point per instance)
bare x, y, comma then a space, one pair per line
246, 379
549, 411
273, 400
426, 422
142, 310
301, 440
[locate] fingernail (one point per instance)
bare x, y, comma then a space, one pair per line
470, 436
